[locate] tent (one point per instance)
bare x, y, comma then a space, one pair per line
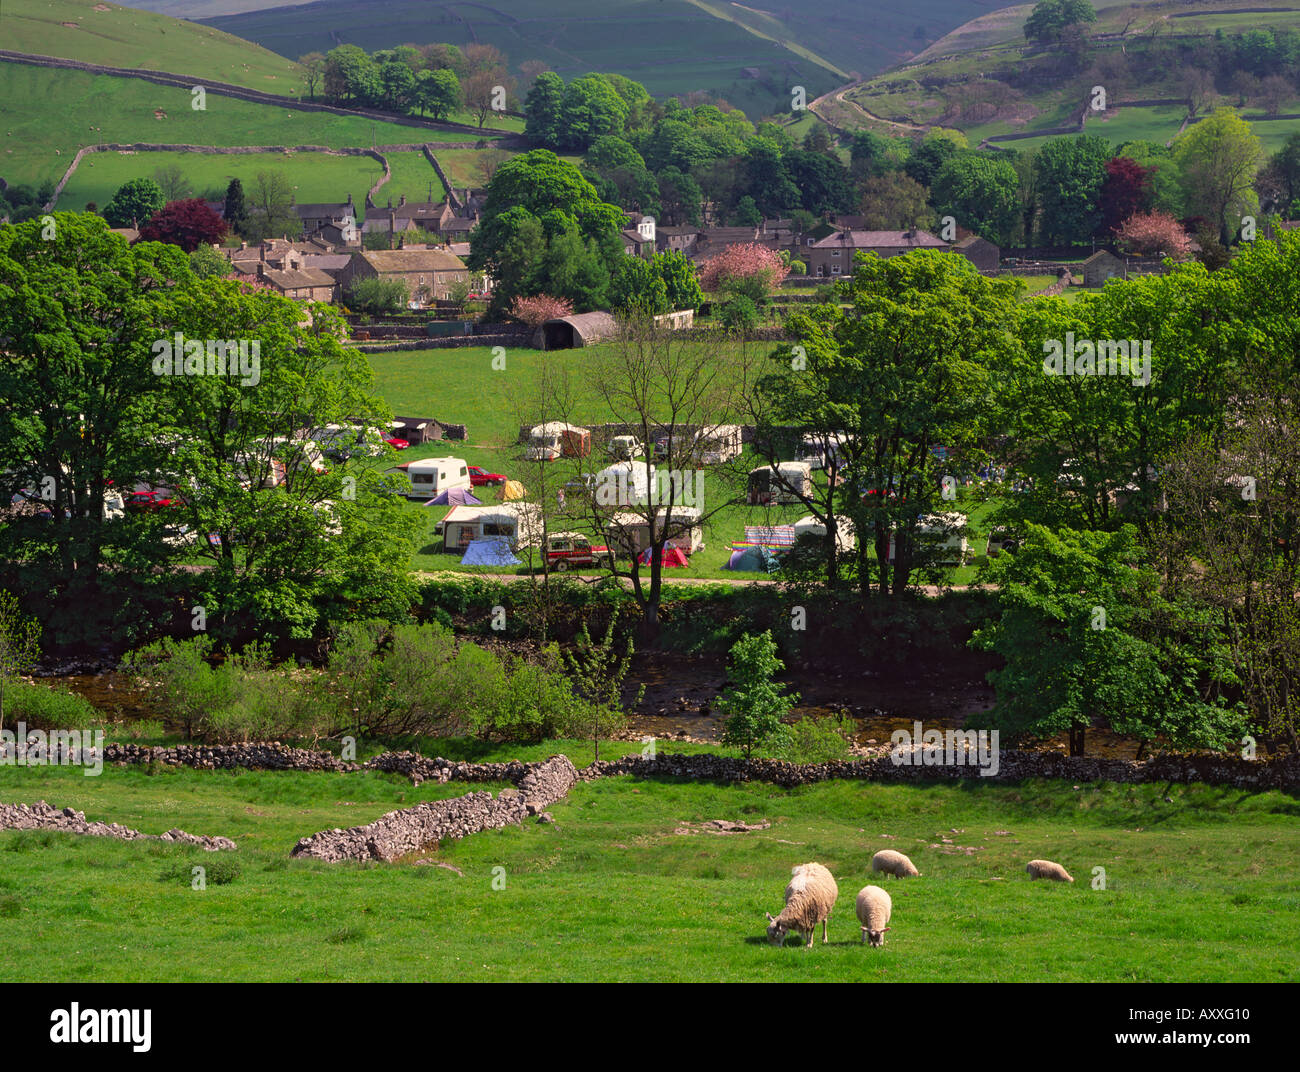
510, 491
753, 559
489, 551
673, 558
455, 497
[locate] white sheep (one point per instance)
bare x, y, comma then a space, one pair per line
894, 863
1047, 869
809, 898
874, 909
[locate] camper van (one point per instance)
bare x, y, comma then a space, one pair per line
623, 484
823, 451
518, 522
556, 439
429, 476
790, 482
629, 534
625, 448
942, 531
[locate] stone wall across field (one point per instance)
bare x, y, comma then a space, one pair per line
43, 816
400, 833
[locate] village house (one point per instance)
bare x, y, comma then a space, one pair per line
832, 256
340, 218
427, 273
980, 252
639, 239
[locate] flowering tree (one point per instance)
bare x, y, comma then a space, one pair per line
534, 312
748, 269
1154, 232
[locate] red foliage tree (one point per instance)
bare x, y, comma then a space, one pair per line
1125, 192
537, 310
1152, 233
187, 224
747, 268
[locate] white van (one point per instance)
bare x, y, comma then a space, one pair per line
431, 476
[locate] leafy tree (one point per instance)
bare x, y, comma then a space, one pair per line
207, 263
171, 180
680, 198
927, 157
1278, 183
437, 91
188, 224
752, 702
765, 179
544, 123
271, 214
1078, 633
681, 282
1217, 160
823, 182
597, 670
738, 314
536, 310
746, 213
894, 200
313, 71
637, 289
20, 645
1126, 192
1050, 19
350, 76
397, 83
377, 296
980, 193
1070, 172
745, 268
1154, 233
133, 203
591, 107
236, 213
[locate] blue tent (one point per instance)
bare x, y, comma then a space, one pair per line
489, 551
753, 559
455, 497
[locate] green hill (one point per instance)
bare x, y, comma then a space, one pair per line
118, 36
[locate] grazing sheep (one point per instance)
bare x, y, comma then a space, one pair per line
809, 898
894, 863
1047, 869
874, 908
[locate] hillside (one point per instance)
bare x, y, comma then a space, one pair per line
117, 36
985, 79
750, 55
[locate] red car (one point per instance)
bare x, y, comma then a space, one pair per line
565, 550
478, 477
148, 499
397, 444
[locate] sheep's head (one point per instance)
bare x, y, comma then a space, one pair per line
776, 932
877, 938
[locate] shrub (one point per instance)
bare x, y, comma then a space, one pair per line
739, 315
377, 295
45, 707
814, 740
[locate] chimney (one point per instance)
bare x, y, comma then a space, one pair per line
392, 226
243, 245
401, 200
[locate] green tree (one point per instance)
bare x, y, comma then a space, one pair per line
1070, 172
591, 107
271, 214
1050, 19
377, 296
20, 645
681, 281
752, 702
982, 194
313, 71
544, 123
236, 212
1078, 633
133, 203
1217, 160
637, 289
895, 201
207, 263
438, 91
397, 83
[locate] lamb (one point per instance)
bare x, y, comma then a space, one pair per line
1047, 869
874, 908
894, 863
809, 898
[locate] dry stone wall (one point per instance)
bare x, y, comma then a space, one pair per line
43, 816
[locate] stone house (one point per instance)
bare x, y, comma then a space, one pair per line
427, 273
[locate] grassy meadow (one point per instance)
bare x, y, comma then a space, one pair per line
1203, 889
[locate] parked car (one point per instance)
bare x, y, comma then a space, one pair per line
566, 550
625, 447
479, 476
397, 444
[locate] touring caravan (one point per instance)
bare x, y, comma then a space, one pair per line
785, 482
429, 476
719, 443
557, 439
809, 526
629, 534
518, 522
946, 532
623, 484
821, 451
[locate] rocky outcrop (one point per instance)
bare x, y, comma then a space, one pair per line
400, 833
43, 816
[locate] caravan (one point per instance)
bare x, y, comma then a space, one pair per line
780, 482
519, 523
557, 439
429, 476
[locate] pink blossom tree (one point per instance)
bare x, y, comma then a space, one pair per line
746, 269
537, 310
1152, 233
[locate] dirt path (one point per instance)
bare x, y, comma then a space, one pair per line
838, 95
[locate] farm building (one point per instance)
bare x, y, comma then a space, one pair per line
1101, 266
580, 329
833, 255
980, 252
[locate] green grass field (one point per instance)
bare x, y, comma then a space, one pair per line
45, 116
1203, 889
116, 36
